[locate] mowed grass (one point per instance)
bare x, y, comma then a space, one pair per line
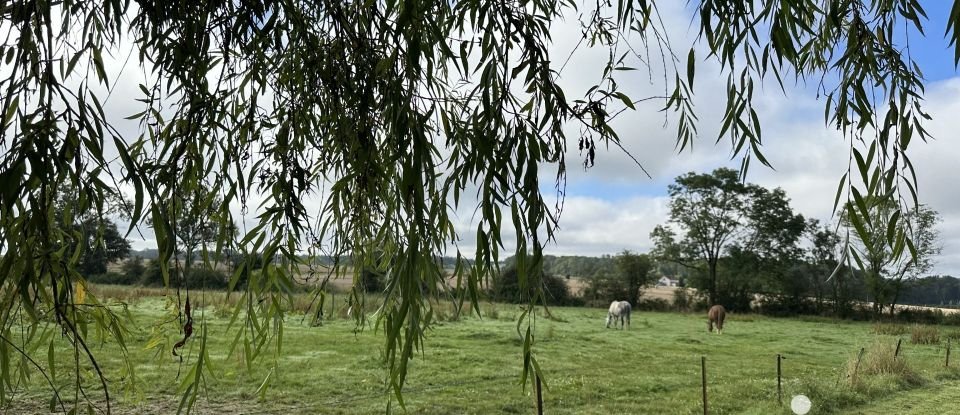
473, 366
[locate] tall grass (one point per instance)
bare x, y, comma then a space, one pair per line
470, 364
880, 363
924, 335
891, 329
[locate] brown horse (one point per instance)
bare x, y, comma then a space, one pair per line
716, 315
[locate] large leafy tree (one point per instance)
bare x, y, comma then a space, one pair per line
103, 244
93, 236
394, 114
717, 214
774, 231
709, 210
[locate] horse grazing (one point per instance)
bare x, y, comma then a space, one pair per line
621, 310
716, 315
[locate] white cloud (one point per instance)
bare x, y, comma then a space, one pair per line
592, 226
808, 156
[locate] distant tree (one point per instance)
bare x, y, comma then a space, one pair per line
199, 220
631, 272
773, 232
506, 288
580, 266
887, 257
773, 229
634, 271
740, 273
824, 246
707, 208
935, 290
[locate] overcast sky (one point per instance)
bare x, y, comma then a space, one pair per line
614, 205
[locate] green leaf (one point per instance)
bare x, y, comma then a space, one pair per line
626, 100
836, 199
262, 389
98, 64
892, 226
11, 110
51, 362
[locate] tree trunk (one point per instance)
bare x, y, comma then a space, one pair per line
713, 280
896, 296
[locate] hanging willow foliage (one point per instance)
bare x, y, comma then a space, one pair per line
392, 113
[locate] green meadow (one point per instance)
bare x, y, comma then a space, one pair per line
472, 365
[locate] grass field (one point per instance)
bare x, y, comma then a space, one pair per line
473, 366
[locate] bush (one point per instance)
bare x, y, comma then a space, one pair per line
133, 269
204, 278
210, 279
654, 304
924, 335
920, 316
112, 278
371, 281
784, 306
152, 276
602, 289
952, 319
506, 288
682, 300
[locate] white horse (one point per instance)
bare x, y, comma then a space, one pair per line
621, 310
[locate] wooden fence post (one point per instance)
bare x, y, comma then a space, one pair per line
539, 396
897, 352
703, 375
857, 367
947, 363
779, 387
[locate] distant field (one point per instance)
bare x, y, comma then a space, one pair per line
473, 365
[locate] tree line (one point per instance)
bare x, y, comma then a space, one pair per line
743, 246
731, 240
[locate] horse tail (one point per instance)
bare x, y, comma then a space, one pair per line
629, 311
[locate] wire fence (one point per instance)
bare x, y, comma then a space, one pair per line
699, 385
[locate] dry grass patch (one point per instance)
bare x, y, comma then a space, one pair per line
880, 360
924, 335
892, 329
